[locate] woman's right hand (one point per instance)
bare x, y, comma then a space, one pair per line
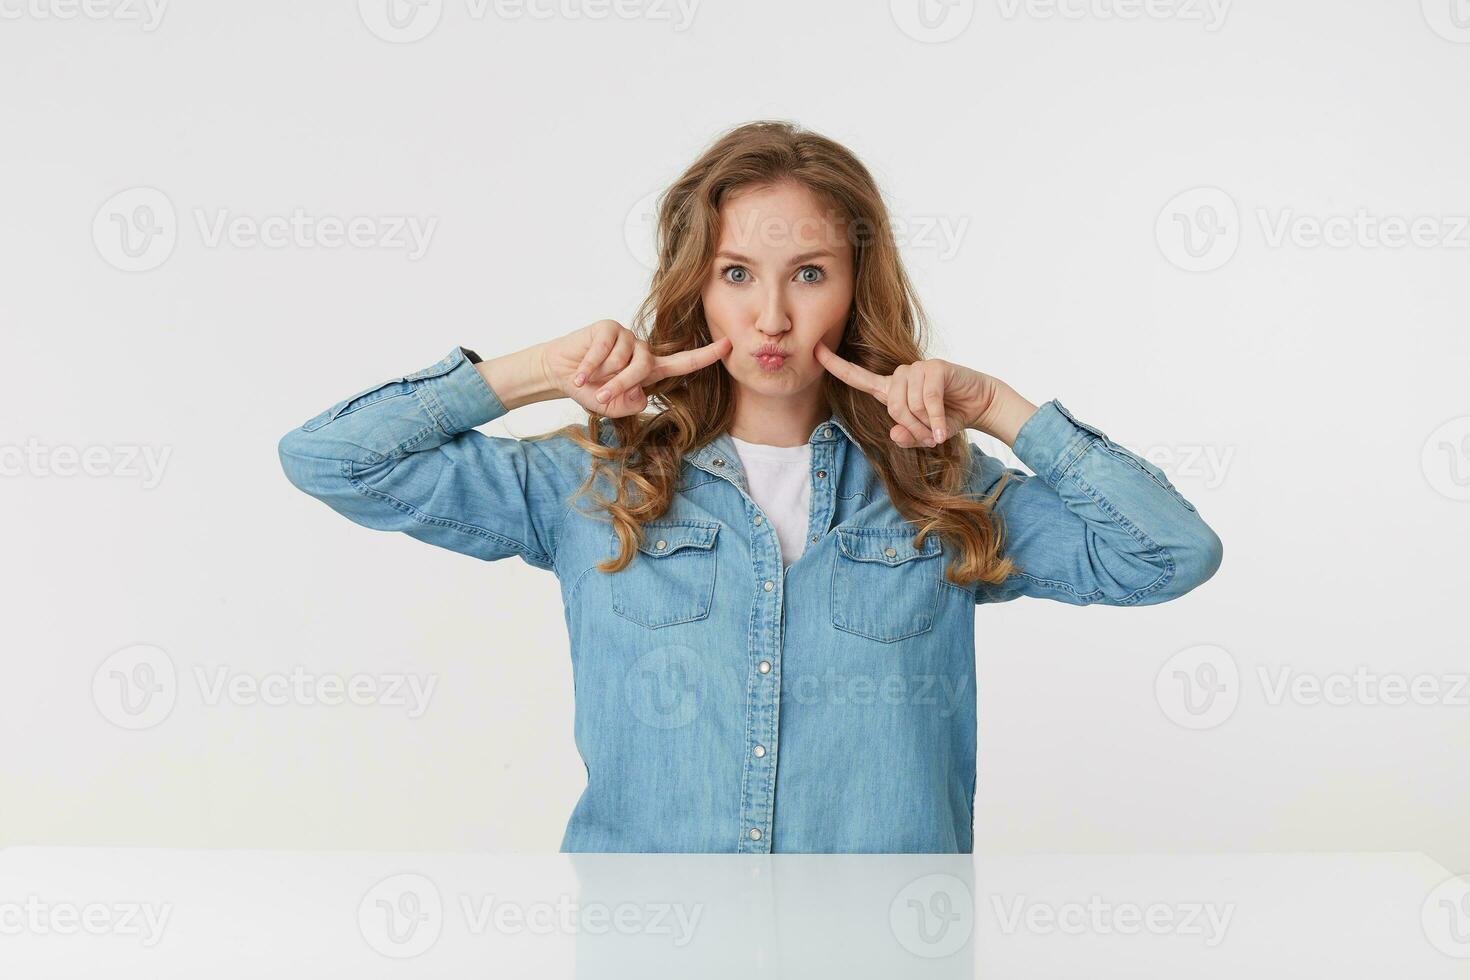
606, 358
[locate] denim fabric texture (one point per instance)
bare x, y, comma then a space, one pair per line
724, 704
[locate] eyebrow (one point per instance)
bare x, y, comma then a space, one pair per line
795, 259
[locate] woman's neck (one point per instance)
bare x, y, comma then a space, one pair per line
778, 420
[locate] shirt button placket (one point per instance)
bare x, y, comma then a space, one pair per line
759, 788
823, 490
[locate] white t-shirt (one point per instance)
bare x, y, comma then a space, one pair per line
780, 482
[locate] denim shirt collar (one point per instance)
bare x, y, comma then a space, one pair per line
719, 458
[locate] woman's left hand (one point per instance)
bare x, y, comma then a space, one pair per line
928, 400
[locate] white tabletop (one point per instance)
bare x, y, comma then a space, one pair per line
158, 913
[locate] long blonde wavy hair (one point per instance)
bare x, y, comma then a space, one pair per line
886, 328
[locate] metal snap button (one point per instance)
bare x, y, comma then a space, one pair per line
890, 552
764, 667
755, 833
660, 543
760, 751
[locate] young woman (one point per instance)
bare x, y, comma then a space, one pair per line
770, 579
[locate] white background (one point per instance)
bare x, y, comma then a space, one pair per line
1294, 392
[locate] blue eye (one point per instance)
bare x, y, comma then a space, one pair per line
744, 274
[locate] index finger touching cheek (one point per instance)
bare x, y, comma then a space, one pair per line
688, 361
852, 374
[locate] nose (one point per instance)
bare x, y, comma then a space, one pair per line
773, 318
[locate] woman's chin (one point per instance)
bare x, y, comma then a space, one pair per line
781, 381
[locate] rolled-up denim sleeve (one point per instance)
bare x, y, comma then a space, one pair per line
403, 456
1095, 524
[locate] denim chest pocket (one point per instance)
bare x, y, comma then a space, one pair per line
671, 578
883, 587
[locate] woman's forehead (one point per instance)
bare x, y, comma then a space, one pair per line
783, 220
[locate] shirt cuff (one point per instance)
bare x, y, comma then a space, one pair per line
461, 393
1051, 440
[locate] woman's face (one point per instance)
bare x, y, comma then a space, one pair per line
782, 280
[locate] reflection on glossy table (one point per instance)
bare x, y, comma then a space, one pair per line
159, 913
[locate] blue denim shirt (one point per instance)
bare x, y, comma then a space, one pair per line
726, 704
